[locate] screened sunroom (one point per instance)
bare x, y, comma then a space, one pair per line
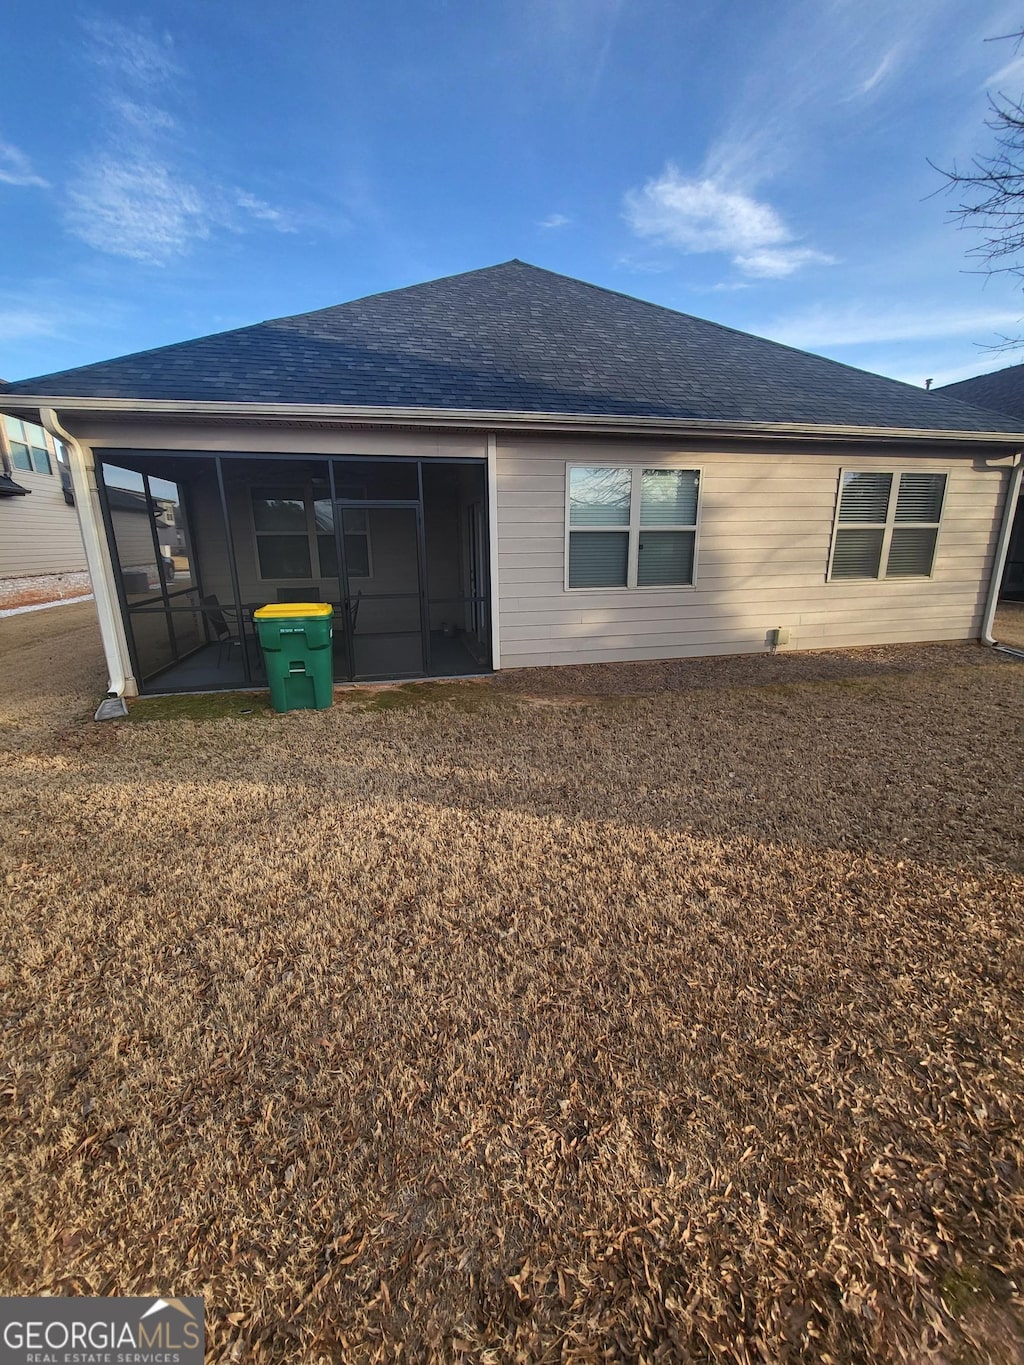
198, 541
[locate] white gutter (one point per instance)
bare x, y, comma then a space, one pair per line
612, 424
108, 610
1002, 546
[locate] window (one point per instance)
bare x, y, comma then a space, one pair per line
887, 525
631, 527
29, 450
356, 530
295, 535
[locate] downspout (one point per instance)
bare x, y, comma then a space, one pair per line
1002, 547
108, 610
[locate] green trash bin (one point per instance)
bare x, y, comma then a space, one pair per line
296, 641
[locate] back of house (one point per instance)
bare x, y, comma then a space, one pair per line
510, 467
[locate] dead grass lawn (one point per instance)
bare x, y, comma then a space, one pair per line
681, 1026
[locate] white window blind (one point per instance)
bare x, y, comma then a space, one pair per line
887, 525
865, 497
631, 527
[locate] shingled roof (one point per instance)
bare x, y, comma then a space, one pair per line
1002, 391
516, 338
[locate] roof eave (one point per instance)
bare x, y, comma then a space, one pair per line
484, 419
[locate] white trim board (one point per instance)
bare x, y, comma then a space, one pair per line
472, 419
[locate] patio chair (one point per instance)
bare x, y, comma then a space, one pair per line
227, 638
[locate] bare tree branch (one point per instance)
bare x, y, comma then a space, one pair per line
991, 193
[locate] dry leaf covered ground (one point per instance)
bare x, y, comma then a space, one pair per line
527, 1020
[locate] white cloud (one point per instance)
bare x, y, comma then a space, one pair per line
573, 38
1011, 75
777, 263
147, 211
554, 220
860, 326
136, 209
784, 104
884, 69
140, 193
16, 168
700, 215
263, 212
147, 118
704, 215
132, 53
643, 265
24, 323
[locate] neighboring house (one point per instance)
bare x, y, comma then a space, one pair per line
1002, 391
134, 523
511, 467
38, 525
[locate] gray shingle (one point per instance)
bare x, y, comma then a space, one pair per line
1002, 391
513, 337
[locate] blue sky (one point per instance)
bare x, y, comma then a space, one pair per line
173, 169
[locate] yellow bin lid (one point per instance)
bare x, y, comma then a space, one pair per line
277, 611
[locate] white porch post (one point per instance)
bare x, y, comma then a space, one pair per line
121, 682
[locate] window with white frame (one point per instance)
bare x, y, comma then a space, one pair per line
29, 450
887, 525
630, 527
295, 535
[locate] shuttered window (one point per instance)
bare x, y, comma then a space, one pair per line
911, 552
857, 553
865, 497
887, 525
920, 497
629, 527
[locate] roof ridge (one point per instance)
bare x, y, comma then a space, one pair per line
399, 289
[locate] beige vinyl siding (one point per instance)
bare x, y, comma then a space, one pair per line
39, 533
271, 439
763, 546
